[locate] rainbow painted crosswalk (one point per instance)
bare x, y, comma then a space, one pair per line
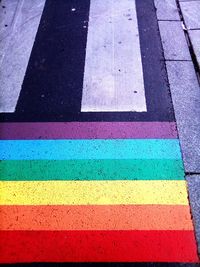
93, 192
90, 163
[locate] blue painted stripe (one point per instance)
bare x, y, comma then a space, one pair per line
90, 149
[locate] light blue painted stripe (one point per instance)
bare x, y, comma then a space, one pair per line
90, 149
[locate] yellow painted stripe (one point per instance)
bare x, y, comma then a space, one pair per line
92, 192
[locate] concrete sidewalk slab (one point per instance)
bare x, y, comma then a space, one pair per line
195, 39
167, 10
186, 99
173, 40
194, 196
191, 14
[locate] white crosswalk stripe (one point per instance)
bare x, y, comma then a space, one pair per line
113, 78
16, 45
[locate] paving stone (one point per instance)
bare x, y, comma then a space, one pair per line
194, 196
195, 39
174, 41
191, 14
185, 92
167, 10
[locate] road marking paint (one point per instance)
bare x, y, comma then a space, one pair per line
98, 217
87, 130
68, 170
90, 149
17, 50
113, 77
93, 192
98, 246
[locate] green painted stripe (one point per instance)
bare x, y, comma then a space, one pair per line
42, 170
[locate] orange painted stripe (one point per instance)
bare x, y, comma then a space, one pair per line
105, 217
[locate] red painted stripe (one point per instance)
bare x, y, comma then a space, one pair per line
87, 130
98, 246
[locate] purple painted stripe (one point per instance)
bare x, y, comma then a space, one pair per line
87, 130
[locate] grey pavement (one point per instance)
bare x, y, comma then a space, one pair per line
195, 40
167, 10
191, 15
184, 87
173, 40
194, 196
181, 46
186, 100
